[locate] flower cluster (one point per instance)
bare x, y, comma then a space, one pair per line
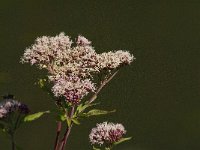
112, 60
9, 105
71, 66
73, 89
46, 50
106, 133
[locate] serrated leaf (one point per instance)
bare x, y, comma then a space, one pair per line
96, 112
35, 116
122, 140
75, 120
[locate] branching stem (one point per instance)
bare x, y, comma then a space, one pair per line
61, 145
103, 83
67, 132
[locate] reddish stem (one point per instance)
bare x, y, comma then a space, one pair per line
59, 126
67, 132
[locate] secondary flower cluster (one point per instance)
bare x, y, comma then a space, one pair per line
8, 106
106, 133
112, 60
71, 66
73, 89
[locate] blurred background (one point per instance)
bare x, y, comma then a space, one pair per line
157, 97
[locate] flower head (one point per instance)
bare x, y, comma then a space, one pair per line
73, 89
106, 133
124, 56
112, 60
9, 105
82, 41
46, 50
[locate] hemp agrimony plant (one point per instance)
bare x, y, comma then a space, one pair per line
75, 76
12, 115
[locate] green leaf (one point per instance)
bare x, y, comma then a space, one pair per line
122, 140
61, 115
68, 121
96, 112
79, 108
94, 148
35, 116
75, 120
82, 107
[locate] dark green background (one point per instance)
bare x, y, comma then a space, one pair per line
157, 97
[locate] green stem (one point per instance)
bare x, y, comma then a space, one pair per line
17, 122
12, 133
13, 141
67, 132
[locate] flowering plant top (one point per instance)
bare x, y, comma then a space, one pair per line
71, 66
74, 70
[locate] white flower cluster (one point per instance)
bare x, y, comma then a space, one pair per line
46, 50
71, 67
112, 60
106, 133
9, 105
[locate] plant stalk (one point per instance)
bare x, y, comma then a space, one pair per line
12, 141
59, 126
105, 81
67, 132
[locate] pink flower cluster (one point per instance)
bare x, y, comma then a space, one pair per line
71, 67
73, 89
106, 133
9, 106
